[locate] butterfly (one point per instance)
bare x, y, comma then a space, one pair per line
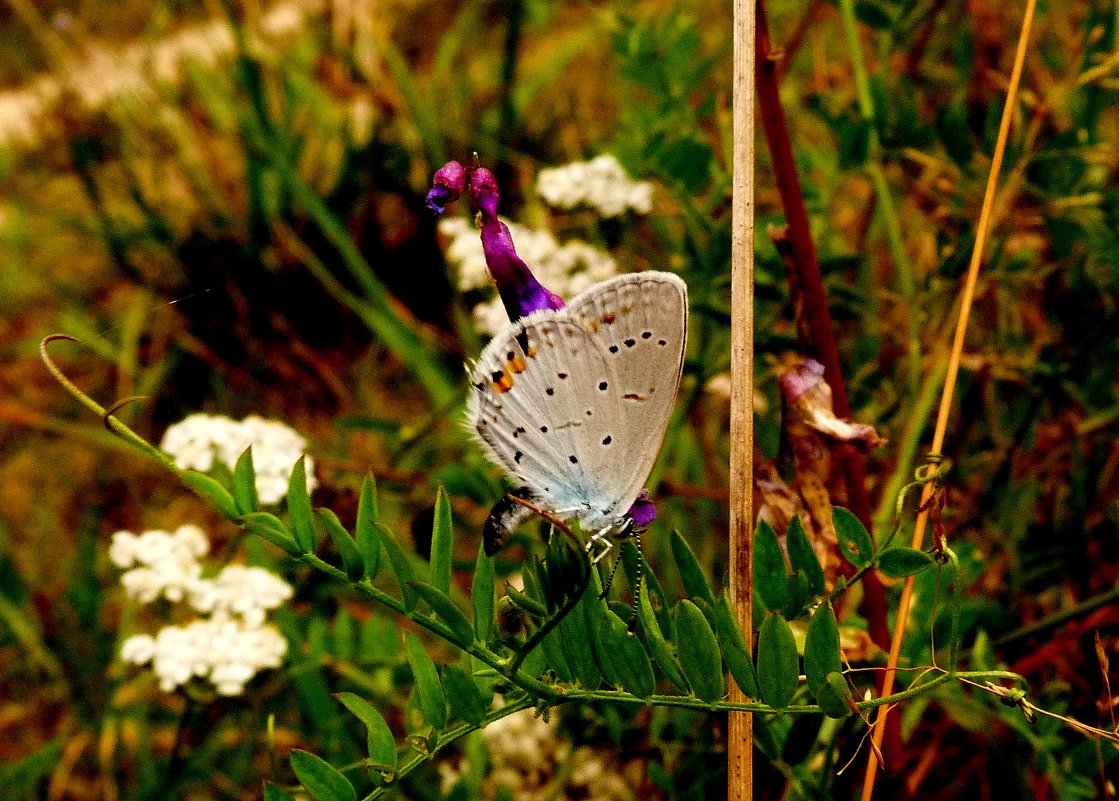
573, 403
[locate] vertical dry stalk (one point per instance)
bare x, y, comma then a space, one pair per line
981, 232
740, 737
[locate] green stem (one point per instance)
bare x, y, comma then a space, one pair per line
449, 736
111, 422
955, 609
888, 211
523, 680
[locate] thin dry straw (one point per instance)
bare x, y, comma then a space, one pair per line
950, 381
740, 735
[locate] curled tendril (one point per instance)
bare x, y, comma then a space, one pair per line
112, 423
120, 404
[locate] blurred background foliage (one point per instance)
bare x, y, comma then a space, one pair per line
225, 204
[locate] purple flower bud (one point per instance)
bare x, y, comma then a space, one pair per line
643, 512
448, 183
521, 293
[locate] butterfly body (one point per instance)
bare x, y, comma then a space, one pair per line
573, 403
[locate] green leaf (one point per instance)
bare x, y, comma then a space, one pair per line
446, 610
627, 661
854, 541
578, 648
299, 507
658, 646
429, 690
347, 548
778, 665
321, 780
803, 556
463, 696
950, 124
797, 597
380, 742
834, 696
212, 492
522, 600
482, 595
699, 651
269, 527
442, 543
821, 647
365, 532
552, 646
902, 562
401, 567
769, 567
739, 661
244, 484
691, 574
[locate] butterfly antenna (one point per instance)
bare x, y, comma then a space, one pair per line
610, 581
640, 574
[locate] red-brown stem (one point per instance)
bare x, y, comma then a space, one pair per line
815, 301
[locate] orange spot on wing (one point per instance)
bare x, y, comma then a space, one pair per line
634, 396
502, 382
516, 364
609, 317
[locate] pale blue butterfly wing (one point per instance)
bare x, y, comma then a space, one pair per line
573, 403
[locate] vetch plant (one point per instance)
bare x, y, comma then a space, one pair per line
571, 644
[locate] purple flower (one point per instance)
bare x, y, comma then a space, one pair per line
794, 383
643, 512
520, 292
447, 185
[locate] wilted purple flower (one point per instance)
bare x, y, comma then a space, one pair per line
643, 512
448, 183
520, 292
794, 383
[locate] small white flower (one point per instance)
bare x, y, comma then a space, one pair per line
600, 183
198, 440
229, 646
122, 549
138, 650
193, 441
238, 590
166, 564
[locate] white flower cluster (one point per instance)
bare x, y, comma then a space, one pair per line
565, 269
600, 183
196, 441
162, 563
228, 647
532, 762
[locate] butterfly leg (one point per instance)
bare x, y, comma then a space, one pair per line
599, 539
